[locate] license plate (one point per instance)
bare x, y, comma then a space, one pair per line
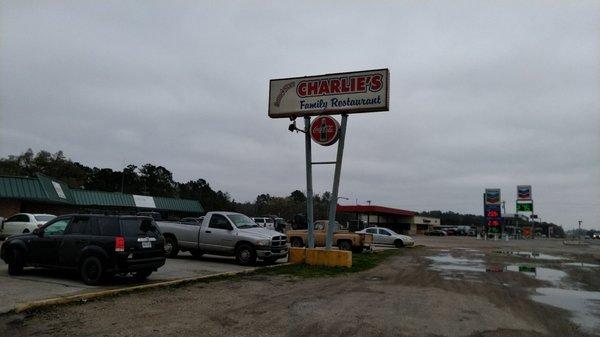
146, 244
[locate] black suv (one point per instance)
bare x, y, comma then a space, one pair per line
97, 246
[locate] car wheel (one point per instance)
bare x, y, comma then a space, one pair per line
399, 243
142, 275
16, 262
91, 270
171, 247
344, 245
245, 255
297, 242
196, 253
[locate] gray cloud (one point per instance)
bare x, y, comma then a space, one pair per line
483, 94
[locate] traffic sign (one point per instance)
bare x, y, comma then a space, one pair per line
325, 130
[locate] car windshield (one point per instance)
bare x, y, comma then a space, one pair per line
242, 221
44, 217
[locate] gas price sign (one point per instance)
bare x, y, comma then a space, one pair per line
493, 218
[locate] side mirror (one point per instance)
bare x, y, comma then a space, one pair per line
38, 232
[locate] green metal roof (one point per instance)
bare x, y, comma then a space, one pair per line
52, 187
44, 188
184, 205
99, 198
21, 188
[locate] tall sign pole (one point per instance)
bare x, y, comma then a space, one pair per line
525, 204
336, 183
309, 187
322, 96
492, 212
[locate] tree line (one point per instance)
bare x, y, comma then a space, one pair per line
153, 180
149, 179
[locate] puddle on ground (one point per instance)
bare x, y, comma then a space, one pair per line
582, 264
544, 274
532, 255
447, 262
584, 305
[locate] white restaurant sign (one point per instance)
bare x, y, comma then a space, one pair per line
341, 93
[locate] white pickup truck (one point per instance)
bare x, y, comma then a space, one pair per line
224, 233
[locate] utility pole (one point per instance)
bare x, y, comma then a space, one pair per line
503, 217
579, 232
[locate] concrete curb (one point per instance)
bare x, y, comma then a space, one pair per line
62, 300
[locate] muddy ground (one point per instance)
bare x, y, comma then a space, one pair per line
441, 290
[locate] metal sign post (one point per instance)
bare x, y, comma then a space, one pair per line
336, 183
309, 189
322, 96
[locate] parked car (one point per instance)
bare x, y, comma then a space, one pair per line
225, 233
463, 230
386, 236
97, 246
265, 222
280, 225
344, 240
23, 223
450, 231
436, 232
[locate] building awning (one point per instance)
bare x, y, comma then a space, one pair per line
373, 209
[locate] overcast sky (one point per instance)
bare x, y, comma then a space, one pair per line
483, 94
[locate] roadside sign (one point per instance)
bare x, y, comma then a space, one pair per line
492, 211
523, 192
325, 130
492, 196
493, 218
524, 207
331, 94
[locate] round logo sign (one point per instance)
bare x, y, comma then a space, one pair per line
325, 130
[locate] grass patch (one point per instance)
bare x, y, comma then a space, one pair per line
360, 262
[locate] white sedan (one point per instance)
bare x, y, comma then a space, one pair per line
23, 223
386, 236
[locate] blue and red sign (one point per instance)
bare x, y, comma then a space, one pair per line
491, 210
524, 192
493, 218
492, 196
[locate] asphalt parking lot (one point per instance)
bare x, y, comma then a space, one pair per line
452, 286
38, 283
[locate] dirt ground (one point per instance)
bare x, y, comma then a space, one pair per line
439, 290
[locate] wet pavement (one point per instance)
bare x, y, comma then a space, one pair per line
560, 275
